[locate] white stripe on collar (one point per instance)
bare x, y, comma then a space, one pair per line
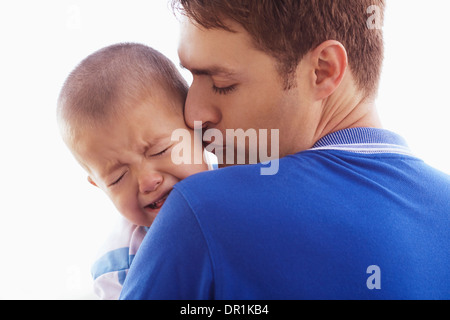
363, 140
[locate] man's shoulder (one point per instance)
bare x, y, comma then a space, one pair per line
243, 180
231, 175
218, 181
309, 172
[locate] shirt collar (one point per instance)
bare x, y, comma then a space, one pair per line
363, 140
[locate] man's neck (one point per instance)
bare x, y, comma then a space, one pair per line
346, 108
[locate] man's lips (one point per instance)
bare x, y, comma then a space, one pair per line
213, 146
206, 143
158, 203
210, 141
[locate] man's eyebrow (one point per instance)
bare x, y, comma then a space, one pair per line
210, 71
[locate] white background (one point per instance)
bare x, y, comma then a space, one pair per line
51, 220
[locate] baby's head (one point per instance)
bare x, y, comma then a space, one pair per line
117, 111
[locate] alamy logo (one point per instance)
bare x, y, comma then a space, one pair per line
375, 20
238, 146
73, 21
374, 280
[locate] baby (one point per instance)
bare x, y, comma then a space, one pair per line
117, 111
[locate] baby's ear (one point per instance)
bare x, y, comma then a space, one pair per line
92, 181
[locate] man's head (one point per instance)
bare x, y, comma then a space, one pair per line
117, 111
288, 29
283, 33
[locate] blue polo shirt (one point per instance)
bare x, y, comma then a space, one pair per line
355, 217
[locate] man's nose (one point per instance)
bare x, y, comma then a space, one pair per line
149, 181
200, 105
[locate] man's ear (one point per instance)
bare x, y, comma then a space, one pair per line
330, 62
92, 181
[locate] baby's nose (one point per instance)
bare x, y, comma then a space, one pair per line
149, 182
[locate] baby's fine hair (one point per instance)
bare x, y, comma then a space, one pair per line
111, 79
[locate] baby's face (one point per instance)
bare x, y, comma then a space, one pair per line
131, 160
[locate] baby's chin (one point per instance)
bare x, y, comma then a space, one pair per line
146, 219
150, 215
151, 210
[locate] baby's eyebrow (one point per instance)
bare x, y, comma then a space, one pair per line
110, 169
141, 148
144, 147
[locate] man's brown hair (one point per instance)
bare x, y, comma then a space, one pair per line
288, 29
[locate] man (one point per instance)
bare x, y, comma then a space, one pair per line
350, 214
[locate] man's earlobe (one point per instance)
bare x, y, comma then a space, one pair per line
92, 181
331, 61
